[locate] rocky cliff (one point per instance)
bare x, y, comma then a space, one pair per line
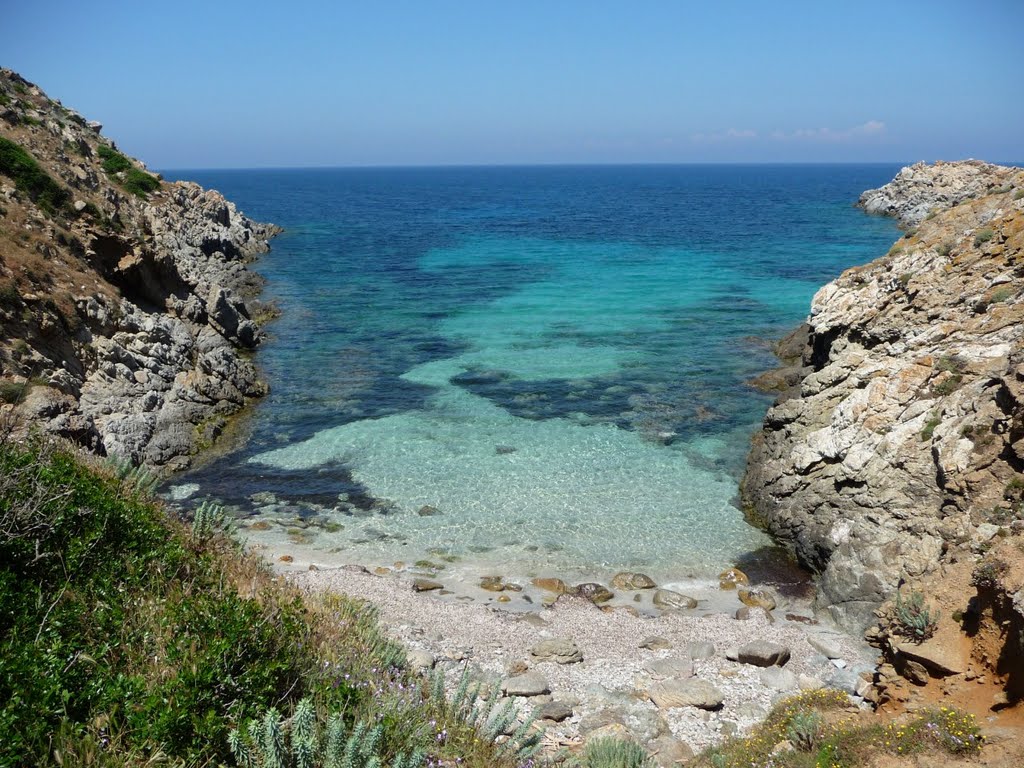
126, 309
902, 444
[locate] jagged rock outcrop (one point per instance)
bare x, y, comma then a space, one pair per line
906, 429
126, 305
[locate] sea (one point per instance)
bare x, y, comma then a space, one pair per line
534, 371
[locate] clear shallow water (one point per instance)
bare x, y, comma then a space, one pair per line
553, 359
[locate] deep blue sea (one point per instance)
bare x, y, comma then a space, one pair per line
552, 360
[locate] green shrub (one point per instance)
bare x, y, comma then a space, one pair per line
949, 385
987, 573
308, 745
1001, 294
983, 236
29, 178
1018, 194
929, 428
10, 296
913, 619
804, 729
944, 249
609, 752
136, 181
12, 392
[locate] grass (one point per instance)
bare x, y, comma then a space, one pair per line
30, 179
122, 626
821, 736
929, 428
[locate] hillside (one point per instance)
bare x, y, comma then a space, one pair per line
126, 308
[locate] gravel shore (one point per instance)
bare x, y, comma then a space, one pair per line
610, 690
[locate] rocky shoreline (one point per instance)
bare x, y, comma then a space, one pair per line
127, 312
899, 442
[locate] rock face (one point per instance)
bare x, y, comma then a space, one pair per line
906, 429
125, 303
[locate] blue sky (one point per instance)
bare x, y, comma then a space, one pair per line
222, 84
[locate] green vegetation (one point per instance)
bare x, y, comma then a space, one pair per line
609, 752
986, 573
822, 736
949, 385
944, 249
307, 745
136, 181
913, 619
983, 236
1018, 194
29, 178
125, 635
929, 428
1001, 294
12, 392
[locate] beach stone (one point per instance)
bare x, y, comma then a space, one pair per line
610, 731
810, 683
762, 653
673, 667
670, 694
556, 711
428, 511
504, 450
530, 684
731, 578
779, 679
666, 599
560, 650
286, 559
756, 598
504, 599
425, 585
825, 645
745, 612
260, 525
595, 593
669, 752
550, 585
492, 583
420, 661
732, 653
629, 582
749, 710
655, 643
702, 650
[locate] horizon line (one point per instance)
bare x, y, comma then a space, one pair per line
428, 166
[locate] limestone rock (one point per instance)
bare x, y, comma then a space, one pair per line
756, 598
935, 656
556, 711
655, 643
680, 668
627, 581
763, 653
666, 599
669, 694
559, 650
529, 684
890, 450
595, 593
826, 645
425, 585
420, 661
701, 650
732, 578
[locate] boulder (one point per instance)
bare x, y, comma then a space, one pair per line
701, 650
672, 667
550, 585
529, 684
595, 593
756, 598
666, 599
731, 578
629, 582
670, 694
556, 711
763, 653
559, 650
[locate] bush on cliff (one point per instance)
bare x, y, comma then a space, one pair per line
29, 178
136, 181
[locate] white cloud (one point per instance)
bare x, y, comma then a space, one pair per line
865, 130
733, 134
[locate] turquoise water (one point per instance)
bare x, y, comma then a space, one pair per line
551, 360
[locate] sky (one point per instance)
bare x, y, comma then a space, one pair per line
225, 84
